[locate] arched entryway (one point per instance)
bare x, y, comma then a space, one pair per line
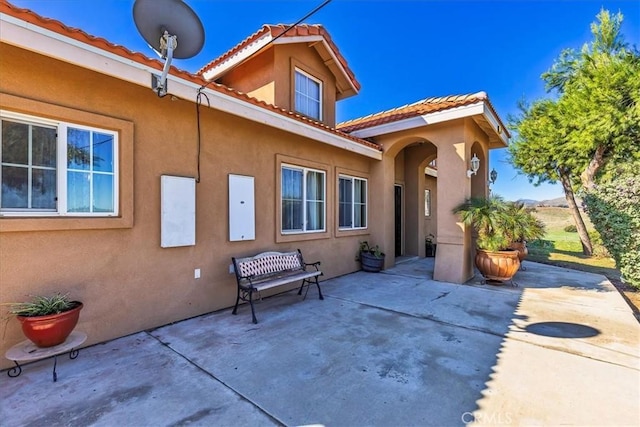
400, 209
410, 163
409, 188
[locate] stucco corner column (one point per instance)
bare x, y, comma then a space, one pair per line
454, 255
381, 225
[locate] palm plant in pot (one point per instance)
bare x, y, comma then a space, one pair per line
371, 257
47, 320
523, 227
489, 217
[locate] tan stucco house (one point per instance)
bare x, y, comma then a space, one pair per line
97, 170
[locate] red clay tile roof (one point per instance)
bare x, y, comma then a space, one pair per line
103, 44
277, 31
56, 26
425, 106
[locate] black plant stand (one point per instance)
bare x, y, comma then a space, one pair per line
26, 351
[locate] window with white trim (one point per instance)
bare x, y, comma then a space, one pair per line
427, 202
352, 202
308, 92
303, 199
56, 168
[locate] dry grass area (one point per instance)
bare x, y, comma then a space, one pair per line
564, 249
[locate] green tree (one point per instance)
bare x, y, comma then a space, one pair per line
594, 120
614, 209
539, 151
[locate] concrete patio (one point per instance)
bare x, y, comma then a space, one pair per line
388, 349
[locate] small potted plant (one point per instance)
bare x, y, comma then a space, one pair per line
47, 320
371, 257
429, 246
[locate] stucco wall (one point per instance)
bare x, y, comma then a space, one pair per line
288, 57
431, 222
416, 158
254, 77
270, 77
126, 280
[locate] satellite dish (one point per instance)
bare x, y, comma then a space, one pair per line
172, 29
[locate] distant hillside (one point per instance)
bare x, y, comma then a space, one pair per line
528, 202
559, 202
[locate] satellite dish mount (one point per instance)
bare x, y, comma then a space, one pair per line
168, 43
161, 23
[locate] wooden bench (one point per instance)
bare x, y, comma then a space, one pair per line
271, 269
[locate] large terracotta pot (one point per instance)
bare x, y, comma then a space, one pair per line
51, 330
498, 265
522, 249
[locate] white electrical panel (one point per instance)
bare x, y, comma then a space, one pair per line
242, 216
178, 211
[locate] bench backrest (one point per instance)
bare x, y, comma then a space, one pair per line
268, 263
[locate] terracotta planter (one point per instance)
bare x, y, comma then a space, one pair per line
498, 265
521, 247
371, 263
51, 330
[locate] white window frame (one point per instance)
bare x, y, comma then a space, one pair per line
304, 171
306, 95
353, 180
427, 202
62, 168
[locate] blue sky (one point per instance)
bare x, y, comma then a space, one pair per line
400, 51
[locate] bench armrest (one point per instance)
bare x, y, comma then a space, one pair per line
313, 264
247, 278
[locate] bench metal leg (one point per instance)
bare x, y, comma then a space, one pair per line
253, 313
242, 295
318, 286
308, 283
235, 309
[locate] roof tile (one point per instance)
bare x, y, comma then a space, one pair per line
278, 30
419, 108
103, 44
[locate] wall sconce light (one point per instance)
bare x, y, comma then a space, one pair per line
475, 165
493, 176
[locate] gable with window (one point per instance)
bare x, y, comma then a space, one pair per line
303, 194
56, 168
352, 202
308, 95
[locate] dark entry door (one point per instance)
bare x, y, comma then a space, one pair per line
398, 218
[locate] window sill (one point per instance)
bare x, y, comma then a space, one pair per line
299, 237
352, 232
18, 224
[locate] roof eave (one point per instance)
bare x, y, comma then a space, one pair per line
498, 137
238, 58
22, 34
345, 85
